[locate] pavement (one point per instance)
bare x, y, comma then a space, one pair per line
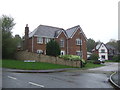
110, 67
115, 80
38, 71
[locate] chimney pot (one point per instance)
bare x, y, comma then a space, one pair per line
26, 25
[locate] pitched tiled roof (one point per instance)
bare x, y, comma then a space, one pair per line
98, 46
46, 31
51, 32
109, 46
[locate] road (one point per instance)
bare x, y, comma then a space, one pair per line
69, 79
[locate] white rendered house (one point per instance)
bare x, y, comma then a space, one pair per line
102, 51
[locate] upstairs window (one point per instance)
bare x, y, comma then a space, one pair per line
102, 50
40, 40
47, 40
61, 42
78, 41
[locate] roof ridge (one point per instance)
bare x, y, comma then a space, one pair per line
51, 26
73, 27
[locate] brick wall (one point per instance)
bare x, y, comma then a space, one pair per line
24, 55
72, 47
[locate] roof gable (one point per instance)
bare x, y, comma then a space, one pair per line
99, 45
71, 31
64, 32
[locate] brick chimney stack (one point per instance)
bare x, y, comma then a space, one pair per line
26, 37
26, 30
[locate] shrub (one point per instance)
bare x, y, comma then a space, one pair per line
94, 57
53, 48
116, 58
70, 57
73, 58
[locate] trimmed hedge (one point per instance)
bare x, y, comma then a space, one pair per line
73, 57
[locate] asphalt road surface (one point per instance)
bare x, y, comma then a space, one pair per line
69, 79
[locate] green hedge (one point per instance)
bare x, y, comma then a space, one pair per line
72, 58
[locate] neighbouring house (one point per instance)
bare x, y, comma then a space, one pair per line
101, 50
72, 41
111, 51
89, 55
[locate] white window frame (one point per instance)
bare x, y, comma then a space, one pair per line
47, 40
39, 51
62, 42
102, 50
78, 53
39, 40
78, 41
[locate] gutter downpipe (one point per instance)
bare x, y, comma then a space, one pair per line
67, 46
80, 49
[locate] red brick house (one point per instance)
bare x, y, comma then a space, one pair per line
72, 41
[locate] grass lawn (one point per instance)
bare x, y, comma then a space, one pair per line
16, 64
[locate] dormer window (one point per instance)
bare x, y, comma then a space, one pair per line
78, 41
40, 40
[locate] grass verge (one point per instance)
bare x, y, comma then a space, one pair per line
111, 61
16, 64
91, 65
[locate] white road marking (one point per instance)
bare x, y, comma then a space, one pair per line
12, 77
36, 84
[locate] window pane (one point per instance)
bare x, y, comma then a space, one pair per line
40, 40
102, 50
47, 40
79, 53
61, 43
78, 42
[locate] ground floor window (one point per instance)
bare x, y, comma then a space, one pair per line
40, 51
79, 53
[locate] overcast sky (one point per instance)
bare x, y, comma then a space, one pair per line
97, 18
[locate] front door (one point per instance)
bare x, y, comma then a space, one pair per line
62, 52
